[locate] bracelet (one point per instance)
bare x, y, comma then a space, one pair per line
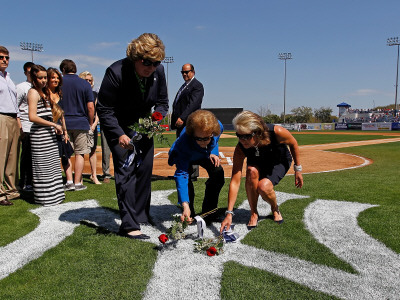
298, 168
229, 212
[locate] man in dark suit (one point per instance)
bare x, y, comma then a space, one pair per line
130, 89
187, 100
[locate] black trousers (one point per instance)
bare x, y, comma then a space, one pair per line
25, 167
214, 184
133, 184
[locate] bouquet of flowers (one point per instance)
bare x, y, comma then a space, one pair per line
149, 126
145, 126
212, 246
176, 231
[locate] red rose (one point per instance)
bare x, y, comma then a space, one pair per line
163, 238
156, 116
211, 251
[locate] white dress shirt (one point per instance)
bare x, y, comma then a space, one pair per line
8, 95
22, 100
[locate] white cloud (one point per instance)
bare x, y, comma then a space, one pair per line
54, 60
104, 45
369, 92
200, 27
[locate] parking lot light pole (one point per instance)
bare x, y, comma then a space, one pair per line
395, 42
284, 56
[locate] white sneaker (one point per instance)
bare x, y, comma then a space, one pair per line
80, 187
69, 187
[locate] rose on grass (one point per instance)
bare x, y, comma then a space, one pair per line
211, 251
156, 116
163, 238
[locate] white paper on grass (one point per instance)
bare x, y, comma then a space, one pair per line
200, 226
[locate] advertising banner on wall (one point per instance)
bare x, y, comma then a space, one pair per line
369, 126
328, 126
354, 126
396, 126
314, 126
340, 126
377, 126
384, 126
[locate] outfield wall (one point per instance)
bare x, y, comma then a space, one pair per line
377, 126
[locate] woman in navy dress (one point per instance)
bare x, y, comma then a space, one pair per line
266, 148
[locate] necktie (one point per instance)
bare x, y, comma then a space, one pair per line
179, 92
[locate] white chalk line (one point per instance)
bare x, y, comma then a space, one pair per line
178, 272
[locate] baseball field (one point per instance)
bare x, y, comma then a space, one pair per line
340, 238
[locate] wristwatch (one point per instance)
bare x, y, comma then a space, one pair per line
229, 212
298, 168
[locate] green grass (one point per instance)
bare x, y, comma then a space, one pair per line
93, 265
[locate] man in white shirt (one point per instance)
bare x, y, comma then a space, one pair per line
25, 166
10, 127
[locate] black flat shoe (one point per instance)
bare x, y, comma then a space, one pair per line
251, 227
138, 237
135, 237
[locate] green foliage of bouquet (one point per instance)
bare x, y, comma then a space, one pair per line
150, 126
176, 231
212, 246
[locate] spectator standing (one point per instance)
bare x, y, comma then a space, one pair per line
47, 177
54, 92
188, 99
93, 133
10, 127
105, 156
78, 106
25, 167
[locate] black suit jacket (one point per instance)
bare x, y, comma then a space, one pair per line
121, 103
188, 102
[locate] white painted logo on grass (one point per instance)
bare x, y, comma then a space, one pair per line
332, 223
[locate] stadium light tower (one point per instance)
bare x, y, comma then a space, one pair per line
168, 60
31, 47
395, 42
285, 57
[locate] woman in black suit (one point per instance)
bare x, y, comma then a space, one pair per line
131, 88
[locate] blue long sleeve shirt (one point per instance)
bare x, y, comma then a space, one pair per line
183, 153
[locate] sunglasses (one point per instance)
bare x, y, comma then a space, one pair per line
202, 139
245, 136
186, 72
147, 62
4, 57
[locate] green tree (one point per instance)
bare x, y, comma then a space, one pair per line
323, 114
272, 119
302, 114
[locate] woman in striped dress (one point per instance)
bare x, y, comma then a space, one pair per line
47, 177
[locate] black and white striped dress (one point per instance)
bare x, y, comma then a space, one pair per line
47, 177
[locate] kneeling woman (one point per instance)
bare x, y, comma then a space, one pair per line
198, 145
268, 160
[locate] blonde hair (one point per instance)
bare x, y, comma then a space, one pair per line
148, 45
56, 110
204, 120
84, 74
249, 122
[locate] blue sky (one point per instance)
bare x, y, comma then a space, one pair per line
338, 47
